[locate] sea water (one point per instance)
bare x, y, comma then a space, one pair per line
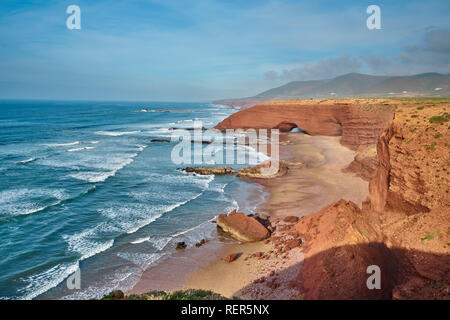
83, 187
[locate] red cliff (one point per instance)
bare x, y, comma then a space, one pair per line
403, 227
359, 125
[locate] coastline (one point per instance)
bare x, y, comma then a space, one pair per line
305, 189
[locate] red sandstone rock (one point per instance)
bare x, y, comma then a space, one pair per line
241, 227
357, 127
231, 257
365, 163
407, 200
258, 254
290, 219
294, 243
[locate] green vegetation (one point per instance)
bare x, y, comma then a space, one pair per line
429, 236
189, 294
431, 147
440, 119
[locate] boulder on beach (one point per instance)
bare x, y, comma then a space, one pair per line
241, 227
264, 170
209, 170
231, 257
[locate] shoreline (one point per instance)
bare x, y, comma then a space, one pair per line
305, 189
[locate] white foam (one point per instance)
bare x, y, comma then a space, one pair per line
42, 282
116, 133
84, 243
27, 201
95, 177
63, 144
140, 240
26, 161
160, 243
80, 149
133, 217
142, 260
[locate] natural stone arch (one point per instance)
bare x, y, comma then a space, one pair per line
287, 126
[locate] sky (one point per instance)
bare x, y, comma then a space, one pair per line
201, 50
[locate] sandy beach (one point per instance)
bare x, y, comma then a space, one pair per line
314, 180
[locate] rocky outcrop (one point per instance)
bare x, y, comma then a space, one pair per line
365, 163
412, 175
209, 170
338, 250
265, 170
241, 227
403, 227
359, 125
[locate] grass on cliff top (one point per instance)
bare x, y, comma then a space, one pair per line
189, 294
440, 119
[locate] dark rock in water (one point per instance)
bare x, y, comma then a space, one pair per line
181, 245
202, 242
209, 170
160, 140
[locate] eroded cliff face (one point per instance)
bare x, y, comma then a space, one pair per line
403, 227
358, 124
365, 163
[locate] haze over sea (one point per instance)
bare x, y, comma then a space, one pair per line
82, 185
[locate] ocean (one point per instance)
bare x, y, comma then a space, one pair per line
82, 186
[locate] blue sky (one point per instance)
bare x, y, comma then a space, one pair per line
198, 50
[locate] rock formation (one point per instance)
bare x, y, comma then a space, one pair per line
279, 169
211, 170
241, 227
359, 125
403, 227
365, 163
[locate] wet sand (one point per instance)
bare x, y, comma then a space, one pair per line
305, 189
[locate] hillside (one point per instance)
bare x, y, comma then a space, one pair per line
354, 85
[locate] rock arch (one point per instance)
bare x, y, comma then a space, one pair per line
286, 126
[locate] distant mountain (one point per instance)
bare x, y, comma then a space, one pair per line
354, 85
